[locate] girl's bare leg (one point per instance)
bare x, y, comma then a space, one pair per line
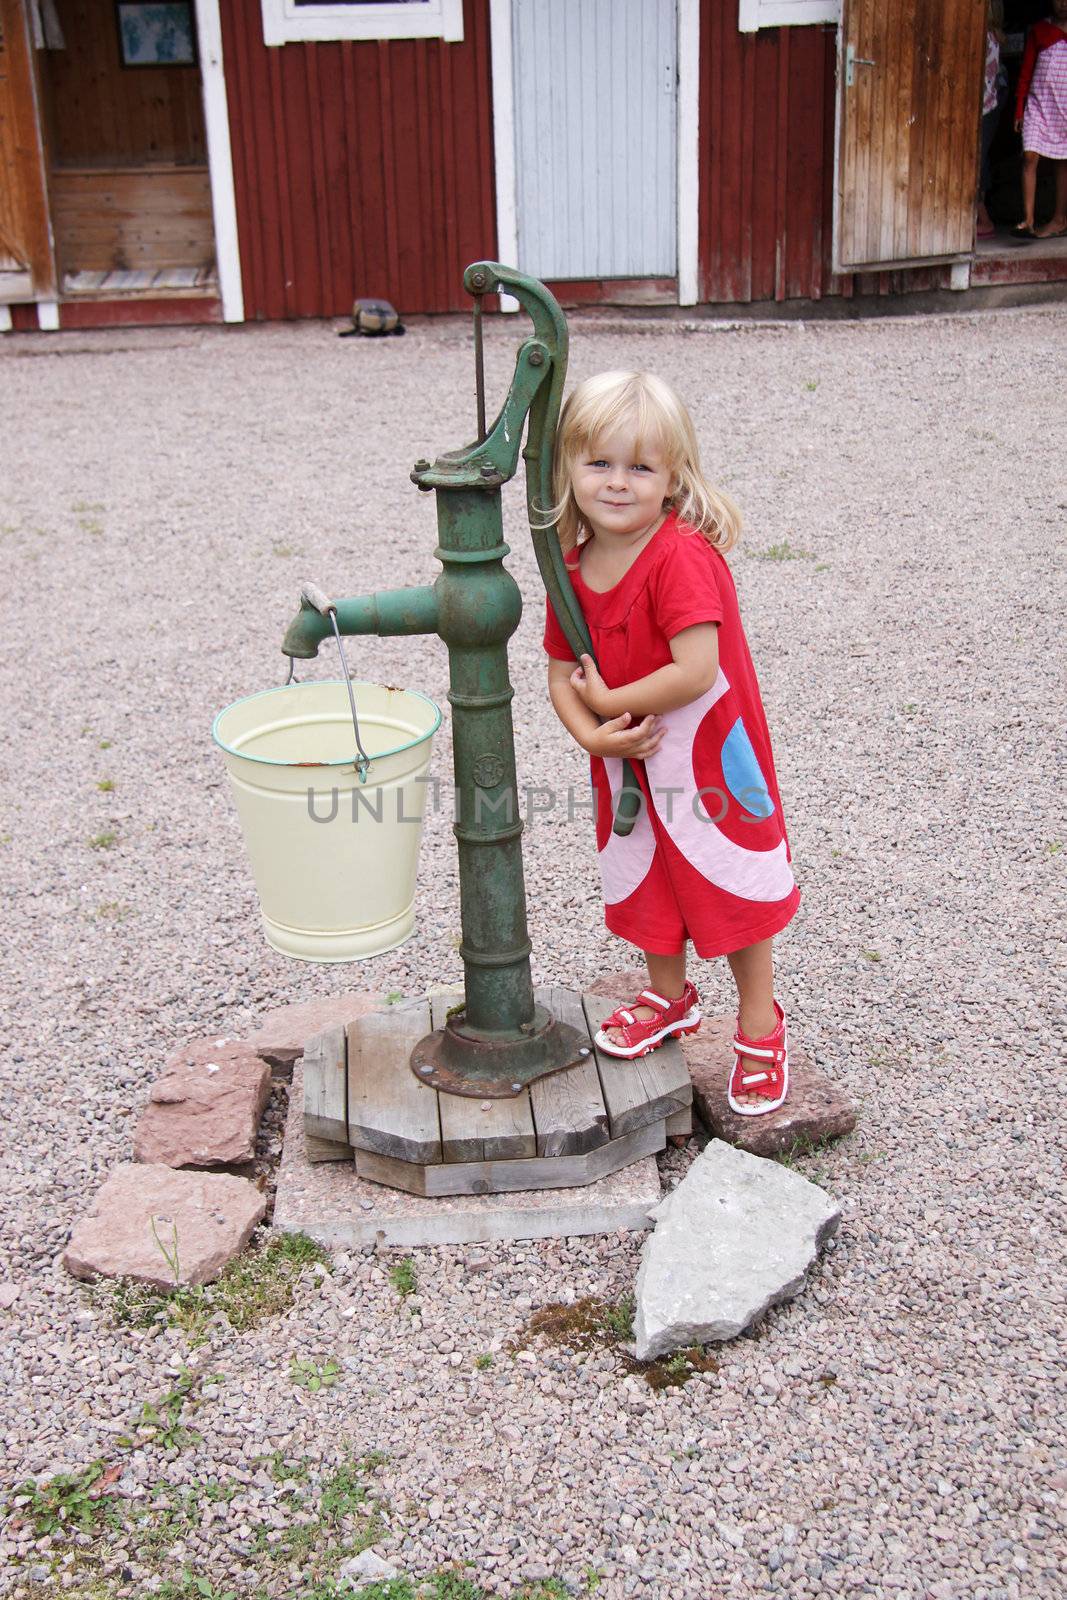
753, 972
1029, 186
666, 977
1058, 221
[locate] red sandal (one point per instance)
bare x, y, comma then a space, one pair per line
641, 1036
770, 1082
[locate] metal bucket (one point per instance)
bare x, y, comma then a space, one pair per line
333, 858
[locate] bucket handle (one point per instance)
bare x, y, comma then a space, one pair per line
322, 603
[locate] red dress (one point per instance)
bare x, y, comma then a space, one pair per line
708, 859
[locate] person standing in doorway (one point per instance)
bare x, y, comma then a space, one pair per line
1041, 116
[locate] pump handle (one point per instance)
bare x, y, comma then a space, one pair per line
312, 595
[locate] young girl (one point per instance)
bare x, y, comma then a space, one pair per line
1041, 113
676, 694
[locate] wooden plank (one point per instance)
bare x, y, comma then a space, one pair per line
319, 1150
679, 1124
510, 1177
389, 1111
642, 1091
568, 1107
481, 1130
325, 1086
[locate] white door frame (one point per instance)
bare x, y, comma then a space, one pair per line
220, 160
688, 143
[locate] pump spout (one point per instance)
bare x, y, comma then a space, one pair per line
389, 611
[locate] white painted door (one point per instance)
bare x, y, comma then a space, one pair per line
595, 86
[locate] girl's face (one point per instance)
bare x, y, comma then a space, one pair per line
1059, 10
620, 493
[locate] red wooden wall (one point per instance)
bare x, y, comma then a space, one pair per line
360, 168
766, 158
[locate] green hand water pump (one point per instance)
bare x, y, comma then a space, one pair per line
499, 1040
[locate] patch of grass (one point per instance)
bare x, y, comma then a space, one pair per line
584, 1324
672, 1371
394, 997
105, 785
823, 566
103, 841
105, 744
783, 551
309, 1375
1054, 848
403, 1277
454, 1586
259, 1283
811, 385
590, 1323
483, 1361
872, 955
111, 911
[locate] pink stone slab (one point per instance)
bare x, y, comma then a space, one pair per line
143, 1214
283, 1033
331, 1204
205, 1110
816, 1108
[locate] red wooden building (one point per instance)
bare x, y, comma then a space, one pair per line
250, 159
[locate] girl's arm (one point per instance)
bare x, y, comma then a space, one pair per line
613, 738
691, 673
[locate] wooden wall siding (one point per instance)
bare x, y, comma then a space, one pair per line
359, 168
908, 145
99, 113
766, 158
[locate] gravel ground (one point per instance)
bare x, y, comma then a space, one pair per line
894, 1430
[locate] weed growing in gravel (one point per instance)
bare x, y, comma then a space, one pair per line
102, 841
483, 1361
394, 997
258, 1284
105, 785
104, 744
590, 1322
872, 955
75, 1501
782, 551
308, 1375
160, 1421
403, 1277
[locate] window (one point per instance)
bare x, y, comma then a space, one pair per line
285, 21
756, 14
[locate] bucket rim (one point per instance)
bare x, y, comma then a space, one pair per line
315, 683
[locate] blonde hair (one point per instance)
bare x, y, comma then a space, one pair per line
601, 405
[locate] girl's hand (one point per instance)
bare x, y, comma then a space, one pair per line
591, 688
618, 738
1018, 124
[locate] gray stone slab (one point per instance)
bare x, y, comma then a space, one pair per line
332, 1204
736, 1237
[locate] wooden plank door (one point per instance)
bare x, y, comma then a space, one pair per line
909, 83
595, 85
27, 259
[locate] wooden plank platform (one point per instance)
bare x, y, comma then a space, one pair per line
326, 1087
566, 1130
389, 1112
503, 1177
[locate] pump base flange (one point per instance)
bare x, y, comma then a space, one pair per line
456, 1060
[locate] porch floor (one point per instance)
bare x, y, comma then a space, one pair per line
999, 260
149, 282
